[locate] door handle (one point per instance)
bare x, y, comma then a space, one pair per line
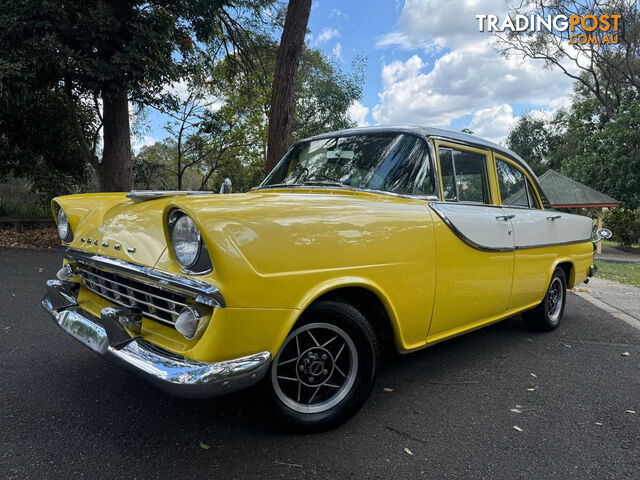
505, 217
554, 217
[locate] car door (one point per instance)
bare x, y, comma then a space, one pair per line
534, 230
474, 243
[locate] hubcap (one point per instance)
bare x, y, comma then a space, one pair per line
555, 297
315, 368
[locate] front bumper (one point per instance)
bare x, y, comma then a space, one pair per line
175, 374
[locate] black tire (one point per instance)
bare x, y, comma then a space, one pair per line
548, 314
332, 351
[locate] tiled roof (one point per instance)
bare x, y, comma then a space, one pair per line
563, 191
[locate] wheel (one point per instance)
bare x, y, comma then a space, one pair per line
547, 315
326, 367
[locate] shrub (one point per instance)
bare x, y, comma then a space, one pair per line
625, 225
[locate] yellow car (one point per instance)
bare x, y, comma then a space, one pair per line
357, 241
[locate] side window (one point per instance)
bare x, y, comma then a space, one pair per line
464, 176
533, 200
514, 187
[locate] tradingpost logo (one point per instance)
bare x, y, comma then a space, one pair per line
580, 29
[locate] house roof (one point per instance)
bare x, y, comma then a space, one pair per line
564, 192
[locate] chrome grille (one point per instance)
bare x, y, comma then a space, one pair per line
156, 303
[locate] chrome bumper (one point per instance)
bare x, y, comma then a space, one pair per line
175, 374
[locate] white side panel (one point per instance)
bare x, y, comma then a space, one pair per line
480, 226
536, 228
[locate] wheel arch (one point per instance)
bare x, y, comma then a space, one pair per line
370, 300
568, 268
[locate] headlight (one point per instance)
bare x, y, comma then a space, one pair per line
185, 239
64, 229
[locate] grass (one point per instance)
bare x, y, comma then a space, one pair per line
628, 273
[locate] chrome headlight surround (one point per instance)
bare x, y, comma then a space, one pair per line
196, 261
64, 227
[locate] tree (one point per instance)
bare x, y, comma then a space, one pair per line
228, 138
284, 81
607, 71
38, 142
603, 154
115, 53
534, 138
153, 166
323, 95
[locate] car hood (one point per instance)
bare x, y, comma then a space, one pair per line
247, 225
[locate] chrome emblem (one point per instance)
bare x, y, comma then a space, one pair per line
106, 244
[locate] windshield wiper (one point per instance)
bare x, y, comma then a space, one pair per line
328, 183
278, 185
321, 183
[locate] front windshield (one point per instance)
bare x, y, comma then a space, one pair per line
391, 162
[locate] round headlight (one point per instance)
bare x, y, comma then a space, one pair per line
185, 239
64, 229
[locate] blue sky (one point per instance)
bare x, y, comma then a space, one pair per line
427, 63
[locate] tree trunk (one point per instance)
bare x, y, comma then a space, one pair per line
284, 82
114, 172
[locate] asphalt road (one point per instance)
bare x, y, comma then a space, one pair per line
67, 413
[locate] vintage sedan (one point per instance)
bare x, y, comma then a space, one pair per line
359, 240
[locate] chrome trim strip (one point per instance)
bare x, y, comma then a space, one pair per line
462, 236
544, 245
145, 195
173, 373
202, 292
350, 189
146, 313
159, 297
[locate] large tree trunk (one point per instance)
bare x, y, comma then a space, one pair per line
284, 82
114, 172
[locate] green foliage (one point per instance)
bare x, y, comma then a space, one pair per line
604, 153
534, 140
152, 167
221, 128
324, 94
138, 46
586, 144
110, 51
625, 225
38, 143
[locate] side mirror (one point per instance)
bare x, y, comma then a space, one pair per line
226, 186
602, 234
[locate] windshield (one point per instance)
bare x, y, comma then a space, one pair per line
390, 162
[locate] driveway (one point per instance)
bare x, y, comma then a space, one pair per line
445, 412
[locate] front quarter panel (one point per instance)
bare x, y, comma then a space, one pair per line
283, 250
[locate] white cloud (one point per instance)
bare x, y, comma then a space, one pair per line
336, 52
493, 123
467, 77
358, 113
336, 13
435, 24
179, 89
461, 82
327, 34
145, 141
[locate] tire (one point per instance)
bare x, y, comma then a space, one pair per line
547, 315
325, 369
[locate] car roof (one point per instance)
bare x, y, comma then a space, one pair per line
439, 133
